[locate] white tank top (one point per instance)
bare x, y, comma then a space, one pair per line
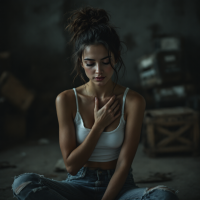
109, 144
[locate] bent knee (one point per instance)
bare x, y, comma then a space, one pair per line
168, 193
21, 181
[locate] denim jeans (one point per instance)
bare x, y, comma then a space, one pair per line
87, 184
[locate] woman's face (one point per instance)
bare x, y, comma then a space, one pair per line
95, 61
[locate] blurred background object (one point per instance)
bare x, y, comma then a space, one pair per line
15, 92
171, 130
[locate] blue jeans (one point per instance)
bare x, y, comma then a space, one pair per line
87, 184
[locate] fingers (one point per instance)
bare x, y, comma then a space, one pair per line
96, 104
110, 102
114, 105
116, 109
118, 114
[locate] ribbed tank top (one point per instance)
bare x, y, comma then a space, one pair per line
109, 144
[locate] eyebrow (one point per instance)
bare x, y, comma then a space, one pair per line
93, 59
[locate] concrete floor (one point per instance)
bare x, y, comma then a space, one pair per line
41, 159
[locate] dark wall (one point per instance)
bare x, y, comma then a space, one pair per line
33, 32
139, 21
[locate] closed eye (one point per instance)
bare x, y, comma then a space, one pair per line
93, 64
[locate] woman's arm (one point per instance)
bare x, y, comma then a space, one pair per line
74, 157
135, 112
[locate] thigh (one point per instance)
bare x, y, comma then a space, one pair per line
131, 193
130, 190
68, 189
35, 185
137, 193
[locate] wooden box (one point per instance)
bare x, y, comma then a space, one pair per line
171, 130
13, 90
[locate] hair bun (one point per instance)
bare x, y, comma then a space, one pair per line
85, 18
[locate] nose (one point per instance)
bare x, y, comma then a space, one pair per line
98, 68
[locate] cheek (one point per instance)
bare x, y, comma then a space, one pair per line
109, 69
88, 71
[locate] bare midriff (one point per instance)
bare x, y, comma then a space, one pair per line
101, 165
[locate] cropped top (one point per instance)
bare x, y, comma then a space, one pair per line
109, 144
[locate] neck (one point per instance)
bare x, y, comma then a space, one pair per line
101, 92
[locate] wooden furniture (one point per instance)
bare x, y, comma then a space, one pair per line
171, 130
13, 90
14, 119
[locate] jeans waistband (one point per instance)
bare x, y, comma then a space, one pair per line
99, 171
93, 173
96, 172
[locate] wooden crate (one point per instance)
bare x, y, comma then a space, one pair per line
13, 90
171, 130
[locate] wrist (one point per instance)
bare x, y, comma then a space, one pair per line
98, 127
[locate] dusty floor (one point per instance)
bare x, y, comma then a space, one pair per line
41, 159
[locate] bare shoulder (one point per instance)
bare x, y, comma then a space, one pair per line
64, 103
134, 99
64, 97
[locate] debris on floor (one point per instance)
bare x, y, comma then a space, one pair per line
60, 166
157, 177
5, 164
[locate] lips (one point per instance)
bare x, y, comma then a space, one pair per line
99, 78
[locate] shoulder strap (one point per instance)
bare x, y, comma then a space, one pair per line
76, 99
124, 97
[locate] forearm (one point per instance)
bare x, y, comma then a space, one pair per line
116, 183
82, 153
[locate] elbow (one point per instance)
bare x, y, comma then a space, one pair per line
71, 170
68, 168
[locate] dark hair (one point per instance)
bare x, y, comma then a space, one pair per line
90, 26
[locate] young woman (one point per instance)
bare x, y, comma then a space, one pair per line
99, 124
